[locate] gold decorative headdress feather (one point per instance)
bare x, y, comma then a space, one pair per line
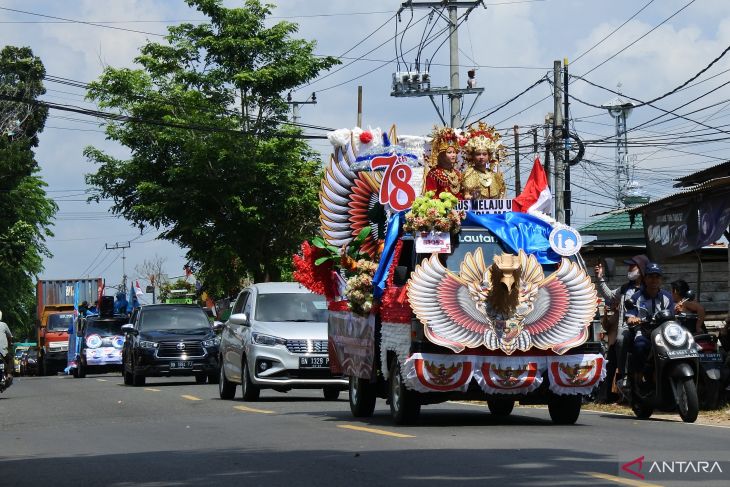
485, 138
441, 139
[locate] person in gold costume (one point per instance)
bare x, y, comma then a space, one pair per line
481, 179
442, 176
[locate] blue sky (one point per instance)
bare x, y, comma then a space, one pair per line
513, 43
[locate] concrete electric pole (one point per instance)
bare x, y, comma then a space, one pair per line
121, 246
312, 100
558, 136
417, 83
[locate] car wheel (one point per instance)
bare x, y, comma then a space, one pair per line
331, 393
404, 404
250, 391
362, 397
138, 380
201, 378
226, 388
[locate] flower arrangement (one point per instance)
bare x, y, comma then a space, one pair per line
316, 278
359, 290
429, 214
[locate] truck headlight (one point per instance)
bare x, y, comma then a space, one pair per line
146, 344
213, 342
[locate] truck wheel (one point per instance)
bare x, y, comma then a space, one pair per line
81, 370
45, 367
138, 380
331, 393
687, 402
362, 397
226, 388
564, 409
250, 391
500, 406
404, 405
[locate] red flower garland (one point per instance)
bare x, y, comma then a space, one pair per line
316, 278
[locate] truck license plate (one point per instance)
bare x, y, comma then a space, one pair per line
313, 362
186, 364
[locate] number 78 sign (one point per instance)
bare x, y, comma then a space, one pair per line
395, 190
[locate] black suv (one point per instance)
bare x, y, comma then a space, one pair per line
170, 339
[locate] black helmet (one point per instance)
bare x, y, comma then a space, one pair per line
663, 315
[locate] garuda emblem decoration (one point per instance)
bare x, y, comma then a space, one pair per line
509, 305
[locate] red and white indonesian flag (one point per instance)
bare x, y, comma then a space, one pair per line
536, 196
138, 291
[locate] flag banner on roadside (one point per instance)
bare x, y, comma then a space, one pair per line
139, 294
536, 196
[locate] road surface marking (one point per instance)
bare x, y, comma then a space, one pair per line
374, 431
619, 480
151, 389
253, 410
102, 380
190, 398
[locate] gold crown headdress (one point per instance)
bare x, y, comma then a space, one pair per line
485, 138
441, 139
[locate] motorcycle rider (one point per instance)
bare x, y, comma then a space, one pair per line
680, 294
6, 344
650, 299
619, 335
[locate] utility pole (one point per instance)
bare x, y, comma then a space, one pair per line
557, 129
534, 140
546, 162
312, 100
121, 246
518, 182
417, 83
359, 106
566, 142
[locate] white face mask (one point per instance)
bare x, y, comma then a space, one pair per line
634, 275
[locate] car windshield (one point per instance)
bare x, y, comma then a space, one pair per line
105, 328
304, 307
177, 318
60, 321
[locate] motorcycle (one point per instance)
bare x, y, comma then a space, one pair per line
5, 379
713, 373
671, 370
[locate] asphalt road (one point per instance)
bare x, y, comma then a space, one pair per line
62, 431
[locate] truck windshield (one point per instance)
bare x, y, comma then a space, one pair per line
105, 328
173, 318
60, 321
304, 307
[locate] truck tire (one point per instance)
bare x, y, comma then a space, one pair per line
249, 390
564, 409
226, 388
404, 404
81, 370
500, 406
138, 380
46, 368
362, 397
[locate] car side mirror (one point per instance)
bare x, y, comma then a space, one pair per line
129, 329
400, 275
218, 326
239, 319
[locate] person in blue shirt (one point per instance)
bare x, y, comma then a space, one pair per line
645, 304
120, 305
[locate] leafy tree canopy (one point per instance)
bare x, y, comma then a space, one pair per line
221, 175
25, 211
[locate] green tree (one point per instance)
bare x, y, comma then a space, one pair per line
25, 211
182, 287
224, 176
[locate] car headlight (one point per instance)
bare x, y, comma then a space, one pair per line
261, 339
675, 335
213, 342
146, 344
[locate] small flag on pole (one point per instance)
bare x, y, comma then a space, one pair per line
536, 196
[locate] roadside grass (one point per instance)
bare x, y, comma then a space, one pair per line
719, 416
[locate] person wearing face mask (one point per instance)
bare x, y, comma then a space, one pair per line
619, 334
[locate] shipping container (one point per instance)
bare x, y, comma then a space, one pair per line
61, 291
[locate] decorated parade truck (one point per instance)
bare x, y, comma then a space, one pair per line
439, 287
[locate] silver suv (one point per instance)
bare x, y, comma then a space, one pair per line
276, 338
